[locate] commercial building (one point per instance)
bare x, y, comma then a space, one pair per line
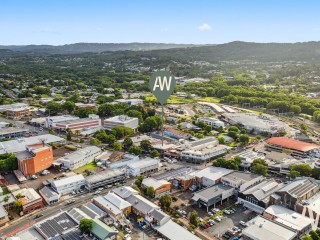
104, 178
260, 196
78, 158
130, 102
216, 108
18, 113
212, 195
34, 159
4, 108
298, 191
52, 120
261, 228
93, 121
102, 231
49, 196
289, 218
210, 176
241, 180
254, 123
30, 200
292, 147
67, 185
13, 132
310, 208
122, 161
160, 187
140, 205
204, 155
121, 121
177, 134
144, 166
213, 122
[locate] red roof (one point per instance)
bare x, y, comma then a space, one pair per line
292, 144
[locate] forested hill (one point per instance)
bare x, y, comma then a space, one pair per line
92, 47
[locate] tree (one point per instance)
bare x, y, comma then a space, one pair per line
17, 206
293, 174
233, 129
69, 135
282, 132
136, 114
6, 200
84, 112
95, 142
221, 140
259, 169
127, 143
77, 132
165, 201
145, 145
120, 132
69, 106
110, 139
8, 162
314, 235
193, 218
199, 135
85, 225
306, 237
138, 181
303, 169
19, 195
117, 146
105, 110
53, 108
154, 153
244, 138
135, 187
232, 134
51, 131
150, 191
135, 150
207, 129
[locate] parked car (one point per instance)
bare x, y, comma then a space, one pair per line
38, 216
243, 223
128, 230
210, 214
218, 219
34, 177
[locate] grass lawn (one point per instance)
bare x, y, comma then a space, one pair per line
44, 95
172, 100
89, 166
209, 99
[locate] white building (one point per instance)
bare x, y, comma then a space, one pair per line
143, 166
241, 180
67, 185
122, 121
204, 154
78, 158
124, 161
211, 175
49, 195
215, 123
50, 121
130, 102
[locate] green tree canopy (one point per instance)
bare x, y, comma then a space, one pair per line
85, 225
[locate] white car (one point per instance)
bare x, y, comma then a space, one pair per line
218, 219
243, 223
128, 230
210, 214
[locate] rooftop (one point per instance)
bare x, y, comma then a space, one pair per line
125, 191
151, 182
80, 154
100, 229
103, 175
143, 163
173, 173
120, 118
48, 192
292, 144
211, 192
29, 194
299, 187
212, 172
3, 212
68, 180
261, 228
245, 176
143, 205
11, 130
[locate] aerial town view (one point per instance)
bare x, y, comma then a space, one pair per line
159, 120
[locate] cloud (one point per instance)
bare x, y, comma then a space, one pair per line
204, 27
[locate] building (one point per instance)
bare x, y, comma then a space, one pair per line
141, 206
13, 132
213, 122
204, 155
121, 121
122, 161
160, 187
261, 228
177, 134
260, 196
104, 178
289, 218
30, 199
210, 176
34, 159
4, 108
310, 208
49, 196
298, 191
78, 158
216, 108
3, 216
125, 191
241, 180
53, 120
85, 105
142, 167
212, 195
19, 145
254, 123
130, 102
93, 121
115, 206
293, 147
18, 113
102, 231
67, 185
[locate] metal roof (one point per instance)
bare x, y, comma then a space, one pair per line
292, 144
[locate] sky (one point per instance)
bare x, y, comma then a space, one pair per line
58, 22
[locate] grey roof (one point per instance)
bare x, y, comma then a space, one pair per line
241, 176
214, 191
141, 204
299, 187
92, 210
23, 155
104, 175
202, 141
159, 215
3, 212
77, 214
11, 130
48, 192
173, 173
125, 191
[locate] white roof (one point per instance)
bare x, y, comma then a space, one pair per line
288, 217
212, 172
174, 231
151, 182
143, 163
261, 228
68, 180
117, 201
125, 191
80, 154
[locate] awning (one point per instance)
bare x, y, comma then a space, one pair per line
195, 198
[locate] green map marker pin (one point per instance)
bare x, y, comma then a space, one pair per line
162, 84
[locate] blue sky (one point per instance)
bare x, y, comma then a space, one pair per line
199, 21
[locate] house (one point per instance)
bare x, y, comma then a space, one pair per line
36, 158
241, 180
212, 195
297, 191
30, 199
260, 196
213, 122
289, 218
177, 134
115, 206
78, 158
261, 228
49, 196
210, 176
121, 121
103, 178
93, 121
145, 166
160, 187
102, 231
67, 185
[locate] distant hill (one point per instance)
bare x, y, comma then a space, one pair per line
93, 47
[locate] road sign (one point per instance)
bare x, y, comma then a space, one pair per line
162, 84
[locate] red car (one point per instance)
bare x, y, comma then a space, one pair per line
207, 224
